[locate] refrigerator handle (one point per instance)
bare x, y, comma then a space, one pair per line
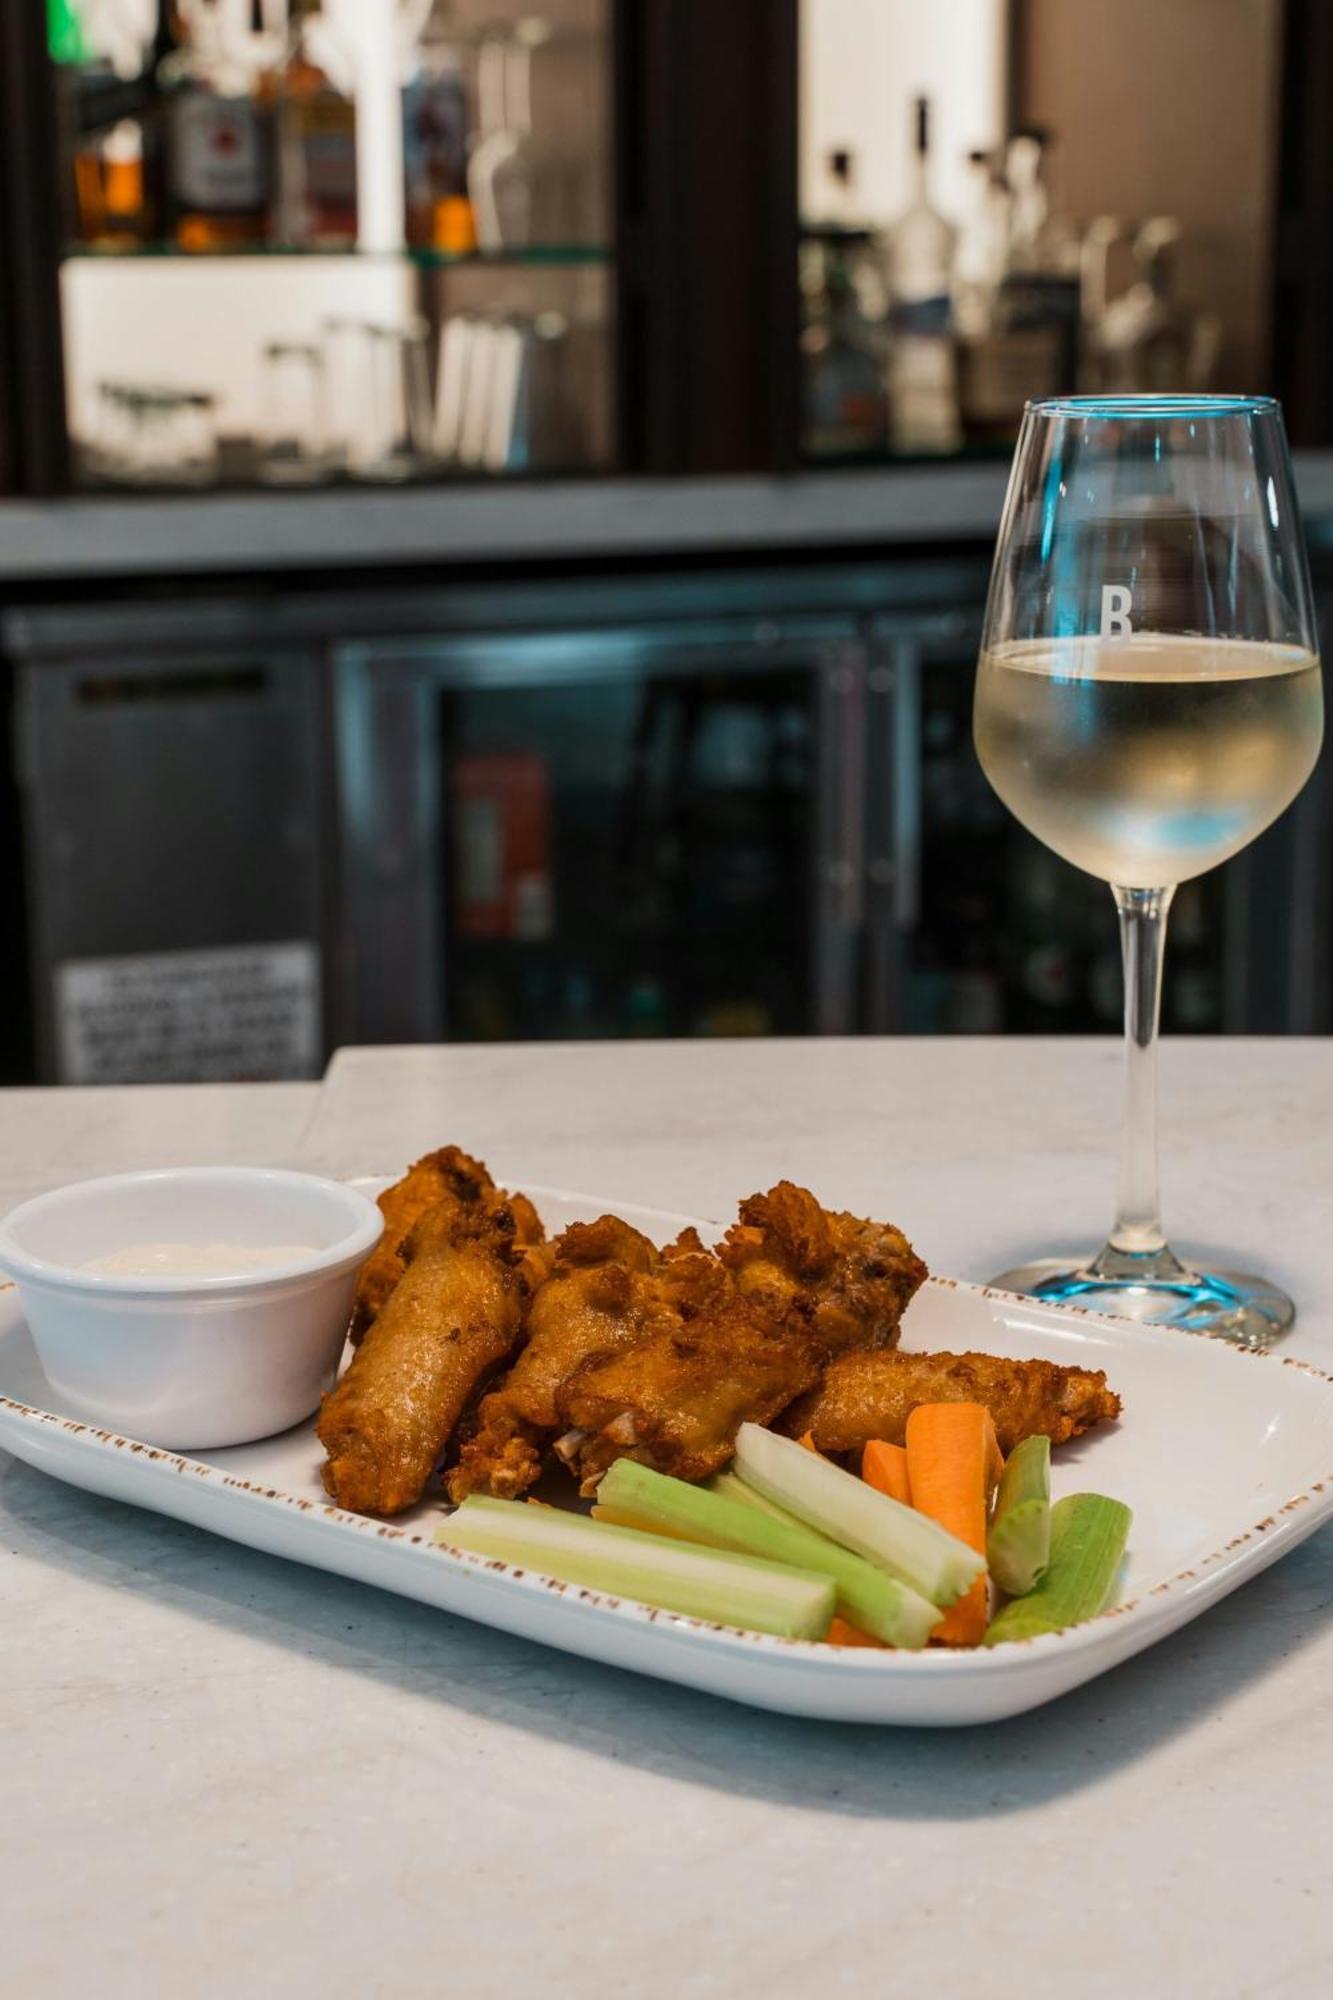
394, 985
893, 820
839, 838
906, 786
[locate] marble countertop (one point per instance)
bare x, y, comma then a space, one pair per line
226, 1774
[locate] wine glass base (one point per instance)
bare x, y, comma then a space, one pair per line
1230, 1305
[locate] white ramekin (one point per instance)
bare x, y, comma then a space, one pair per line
198, 1362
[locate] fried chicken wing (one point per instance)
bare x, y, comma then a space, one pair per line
605, 1291
869, 1395
676, 1401
852, 1279
792, 1284
456, 1312
448, 1174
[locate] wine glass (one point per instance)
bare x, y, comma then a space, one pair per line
1148, 700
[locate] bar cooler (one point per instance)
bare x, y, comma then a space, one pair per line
719, 802
644, 816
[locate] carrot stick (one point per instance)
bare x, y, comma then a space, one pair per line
840, 1633
807, 1439
948, 1459
884, 1466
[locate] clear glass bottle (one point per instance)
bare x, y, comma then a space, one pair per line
919, 254
1025, 343
982, 251
1145, 340
1040, 291
437, 209
506, 165
314, 108
844, 401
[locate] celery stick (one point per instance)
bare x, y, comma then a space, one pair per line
877, 1603
1088, 1535
732, 1487
921, 1554
673, 1576
1018, 1546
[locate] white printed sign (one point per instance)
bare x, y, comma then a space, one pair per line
239, 1013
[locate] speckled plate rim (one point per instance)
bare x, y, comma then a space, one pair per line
1061, 1660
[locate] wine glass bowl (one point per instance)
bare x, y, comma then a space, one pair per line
1148, 700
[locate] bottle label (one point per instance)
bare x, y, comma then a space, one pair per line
217, 152
328, 143
923, 392
922, 318
1001, 371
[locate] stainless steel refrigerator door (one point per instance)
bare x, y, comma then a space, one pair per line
173, 826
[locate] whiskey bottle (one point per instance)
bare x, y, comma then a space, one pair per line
216, 173
314, 103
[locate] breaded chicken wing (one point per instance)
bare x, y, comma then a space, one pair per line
456, 1313
676, 1401
870, 1395
604, 1292
441, 1179
851, 1278
792, 1285
448, 1174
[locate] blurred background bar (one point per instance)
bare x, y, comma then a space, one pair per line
495, 507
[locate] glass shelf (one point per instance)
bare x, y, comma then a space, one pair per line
534, 254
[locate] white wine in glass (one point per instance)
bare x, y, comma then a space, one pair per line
1148, 700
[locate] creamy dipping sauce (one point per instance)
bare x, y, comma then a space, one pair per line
196, 1260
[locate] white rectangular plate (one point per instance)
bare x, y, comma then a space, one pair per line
1225, 1457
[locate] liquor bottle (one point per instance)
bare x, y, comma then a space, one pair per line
1024, 341
437, 210
843, 221
314, 111
983, 243
842, 188
845, 412
99, 104
923, 398
216, 175
1144, 340
125, 217
1040, 290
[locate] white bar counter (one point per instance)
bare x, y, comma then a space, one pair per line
226, 1775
